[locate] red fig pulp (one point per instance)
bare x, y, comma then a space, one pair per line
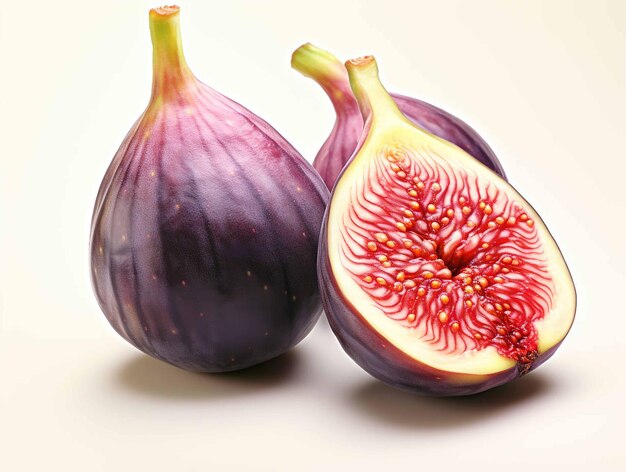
331, 74
206, 225
436, 275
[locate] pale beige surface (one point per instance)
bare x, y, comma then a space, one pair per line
543, 81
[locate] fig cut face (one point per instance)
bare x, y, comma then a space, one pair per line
442, 258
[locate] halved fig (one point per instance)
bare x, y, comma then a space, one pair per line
436, 275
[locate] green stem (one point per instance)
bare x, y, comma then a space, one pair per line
327, 71
369, 91
169, 67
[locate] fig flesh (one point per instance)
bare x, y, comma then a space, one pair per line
206, 225
436, 275
331, 75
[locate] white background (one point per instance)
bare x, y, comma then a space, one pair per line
543, 81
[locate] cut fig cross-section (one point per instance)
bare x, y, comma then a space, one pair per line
437, 276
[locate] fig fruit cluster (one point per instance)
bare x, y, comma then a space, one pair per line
215, 245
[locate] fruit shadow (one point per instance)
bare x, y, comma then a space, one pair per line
392, 406
147, 376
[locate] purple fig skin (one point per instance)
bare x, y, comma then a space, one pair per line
330, 73
381, 359
205, 228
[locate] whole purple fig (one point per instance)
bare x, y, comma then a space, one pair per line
205, 228
331, 75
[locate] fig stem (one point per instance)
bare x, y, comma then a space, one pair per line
328, 71
370, 94
168, 61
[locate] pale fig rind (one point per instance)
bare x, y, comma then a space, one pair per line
451, 128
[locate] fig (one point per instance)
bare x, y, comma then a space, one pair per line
331, 75
206, 225
437, 276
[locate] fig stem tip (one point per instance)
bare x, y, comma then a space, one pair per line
360, 61
165, 11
